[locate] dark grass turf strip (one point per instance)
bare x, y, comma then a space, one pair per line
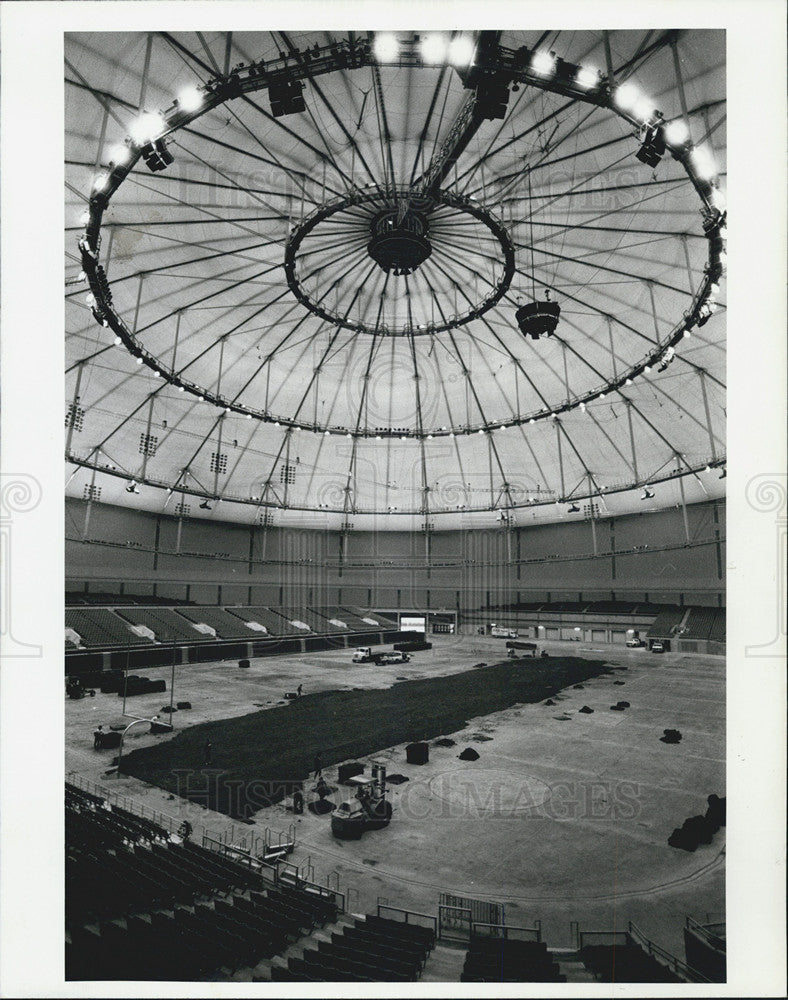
258, 758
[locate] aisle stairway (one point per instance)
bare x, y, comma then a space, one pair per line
444, 964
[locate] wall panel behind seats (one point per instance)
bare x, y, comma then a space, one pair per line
203, 593
110, 523
573, 538
96, 562
208, 537
685, 567
576, 574
234, 594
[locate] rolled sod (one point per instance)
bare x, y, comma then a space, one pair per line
257, 759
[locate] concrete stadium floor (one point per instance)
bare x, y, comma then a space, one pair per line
560, 819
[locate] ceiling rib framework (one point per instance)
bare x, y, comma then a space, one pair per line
398, 394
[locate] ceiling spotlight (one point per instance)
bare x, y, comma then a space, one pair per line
205, 505
574, 509
587, 77
644, 109
543, 63
148, 126
627, 96
139, 361
385, 47
434, 47
100, 182
628, 381
117, 341
703, 162
190, 99
647, 494
676, 132
119, 154
132, 487
461, 51
717, 200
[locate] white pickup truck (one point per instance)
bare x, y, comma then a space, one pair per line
364, 654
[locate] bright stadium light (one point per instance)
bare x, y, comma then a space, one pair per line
703, 162
543, 63
461, 51
643, 109
385, 47
434, 47
717, 200
100, 182
190, 99
676, 132
626, 96
119, 154
587, 77
148, 126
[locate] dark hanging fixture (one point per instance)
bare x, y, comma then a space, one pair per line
399, 241
536, 319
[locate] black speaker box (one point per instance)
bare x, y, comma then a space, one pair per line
346, 771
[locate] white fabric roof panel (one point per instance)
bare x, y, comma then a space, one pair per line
195, 259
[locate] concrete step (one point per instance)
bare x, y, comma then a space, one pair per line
575, 971
444, 964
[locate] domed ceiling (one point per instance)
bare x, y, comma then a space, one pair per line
384, 281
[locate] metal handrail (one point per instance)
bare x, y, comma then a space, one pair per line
506, 929
665, 957
410, 913
703, 931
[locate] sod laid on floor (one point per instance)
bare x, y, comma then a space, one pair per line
256, 759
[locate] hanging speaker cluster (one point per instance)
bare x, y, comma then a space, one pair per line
399, 245
286, 96
156, 155
538, 319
